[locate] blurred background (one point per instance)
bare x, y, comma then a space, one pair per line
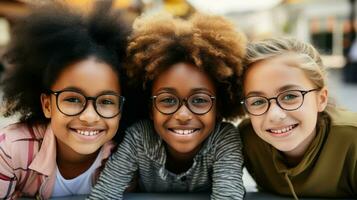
330, 25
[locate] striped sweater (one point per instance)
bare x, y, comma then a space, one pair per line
216, 168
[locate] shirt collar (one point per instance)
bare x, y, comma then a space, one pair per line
45, 160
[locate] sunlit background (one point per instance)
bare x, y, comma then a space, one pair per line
328, 24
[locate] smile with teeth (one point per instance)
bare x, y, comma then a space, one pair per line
88, 133
183, 132
283, 130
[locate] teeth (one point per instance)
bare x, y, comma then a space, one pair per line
184, 132
88, 133
279, 131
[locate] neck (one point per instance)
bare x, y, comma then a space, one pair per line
294, 156
72, 164
178, 162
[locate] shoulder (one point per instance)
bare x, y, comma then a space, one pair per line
246, 130
251, 141
225, 138
21, 135
141, 125
340, 117
224, 131
22, 131
141, 132
343, 122
342, 136
226, 128
245, 125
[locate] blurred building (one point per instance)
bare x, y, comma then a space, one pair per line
324, 23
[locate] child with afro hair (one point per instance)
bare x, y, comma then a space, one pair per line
189, 72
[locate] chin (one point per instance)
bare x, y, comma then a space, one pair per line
184, 150
284, 147
86, 151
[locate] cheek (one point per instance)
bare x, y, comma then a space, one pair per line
158, 120
309, 109
155, 115
308, 117
256, 122
113, 126
59, 124
113, 123
209, 119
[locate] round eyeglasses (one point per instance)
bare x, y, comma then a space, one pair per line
73, 103
198, 103
289, 100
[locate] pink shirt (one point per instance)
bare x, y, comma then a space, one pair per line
28, 161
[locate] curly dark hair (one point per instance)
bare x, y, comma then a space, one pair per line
52, 37
209, 42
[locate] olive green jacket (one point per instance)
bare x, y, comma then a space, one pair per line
328, 168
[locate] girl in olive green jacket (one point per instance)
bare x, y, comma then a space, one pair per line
295, 142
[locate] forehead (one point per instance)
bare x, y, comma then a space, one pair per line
183, 78
270, 75
90, 76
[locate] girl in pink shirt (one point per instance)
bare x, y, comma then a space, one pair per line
63, 79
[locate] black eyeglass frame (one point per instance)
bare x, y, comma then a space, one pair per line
87, 98
183, 102
303, 93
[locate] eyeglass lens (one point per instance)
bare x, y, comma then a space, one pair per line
73, 103
198, 103
289, 100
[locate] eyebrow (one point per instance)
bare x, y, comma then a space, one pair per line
281, 89
165, 89
289, 87
194, 90
82, 92
201, 90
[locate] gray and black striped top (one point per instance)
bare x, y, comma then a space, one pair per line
217, 167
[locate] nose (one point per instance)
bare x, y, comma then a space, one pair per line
89, 114
275, 113
183, 114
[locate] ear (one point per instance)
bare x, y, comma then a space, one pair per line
46, 105
322, 99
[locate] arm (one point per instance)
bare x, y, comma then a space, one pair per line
119, 170
8, 181
227, 167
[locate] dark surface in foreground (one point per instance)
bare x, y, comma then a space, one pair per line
178, 196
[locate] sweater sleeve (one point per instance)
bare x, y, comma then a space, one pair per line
8, 179
227, 167
120, 169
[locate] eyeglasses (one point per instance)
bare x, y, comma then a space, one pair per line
198, 103
73, 103
289, 100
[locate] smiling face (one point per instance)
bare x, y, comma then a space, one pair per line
85, 133
183, 131
288, 131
